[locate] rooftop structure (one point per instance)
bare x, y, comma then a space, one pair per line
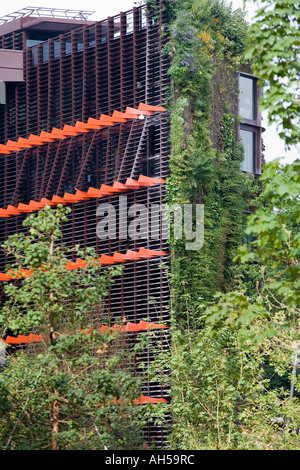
43, 12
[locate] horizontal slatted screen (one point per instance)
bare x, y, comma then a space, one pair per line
94, 70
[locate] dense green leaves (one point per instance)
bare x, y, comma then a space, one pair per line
267, 325
86, 386
52, 293
275, 227
232, 379
274, 49
78, 391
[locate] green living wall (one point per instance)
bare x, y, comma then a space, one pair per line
205, 42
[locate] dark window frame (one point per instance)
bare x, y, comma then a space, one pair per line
253, 125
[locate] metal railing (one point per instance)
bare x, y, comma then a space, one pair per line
43, 12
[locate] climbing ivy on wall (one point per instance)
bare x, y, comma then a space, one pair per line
205, 45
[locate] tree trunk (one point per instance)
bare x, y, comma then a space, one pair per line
55, 425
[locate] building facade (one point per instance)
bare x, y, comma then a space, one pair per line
83, 122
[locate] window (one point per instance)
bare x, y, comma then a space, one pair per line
103, 29
79, 41
19, 40
35, 37
246, 99
144, 18
92, 35
129, 22
34, 55
2, 93
8, 41
151, 161
45, 52
248, 141
250, 128
32, 42
117, 27
68, 46
56, 49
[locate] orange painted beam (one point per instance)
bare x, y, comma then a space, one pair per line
58, 200
5, 277
105, 190
24, 208
108, 189
114, 118
69, 130
12, 210
26, 272
146, 179
107, 120
19, 145
126, 116
50, 136
24, 143
37, 140
92, 123
82, 263
137, 112
57, 134
147, 107
71, 265
150, 253
82, 127
4, 150
11, 145
132, 184
4, 213
132, 255
36, 205
104, 259
67, 197
128, 328
145, 399
119, 257
47, 202
120, 186
93, 192
81, 195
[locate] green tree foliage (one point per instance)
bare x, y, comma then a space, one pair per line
268, 325
221, 399
233, 382
276, 247
78, 391
274, 49
70, 396
52, 293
